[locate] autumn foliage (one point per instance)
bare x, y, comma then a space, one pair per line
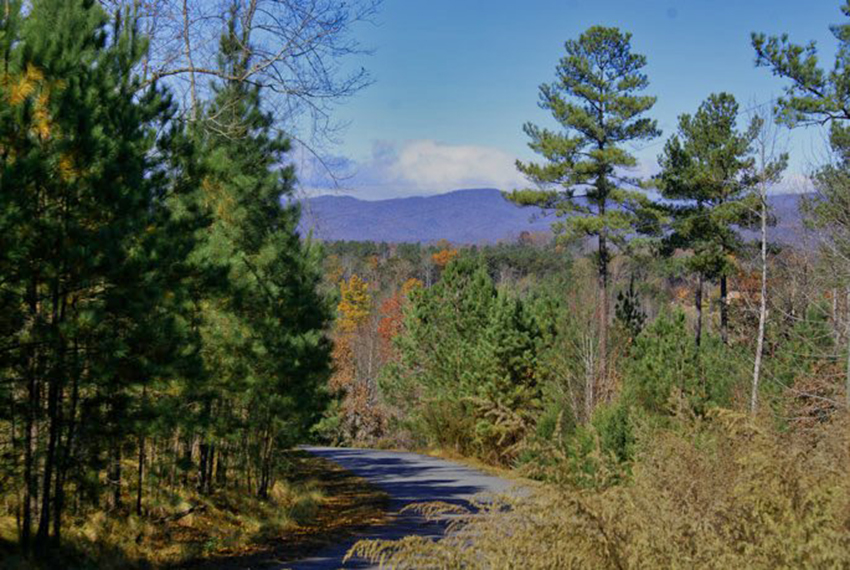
444, 257
392, 316
355, 303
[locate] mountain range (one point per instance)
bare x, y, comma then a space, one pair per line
462, 217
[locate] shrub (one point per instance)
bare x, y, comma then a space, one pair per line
665, 362
717, 492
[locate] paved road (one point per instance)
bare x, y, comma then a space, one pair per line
407, 478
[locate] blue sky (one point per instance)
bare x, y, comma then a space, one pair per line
455, 80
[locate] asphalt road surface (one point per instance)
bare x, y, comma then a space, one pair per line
407, 478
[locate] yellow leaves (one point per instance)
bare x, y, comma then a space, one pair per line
68, 172
41, 115
32, 86
218, 200
22, 87
20, 90
410, 285
334, 269
355, 303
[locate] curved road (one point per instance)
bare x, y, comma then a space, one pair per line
407, 478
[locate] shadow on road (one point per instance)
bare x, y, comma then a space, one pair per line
408, 478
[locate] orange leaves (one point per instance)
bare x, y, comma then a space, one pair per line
444, 257
445, 254
392, 314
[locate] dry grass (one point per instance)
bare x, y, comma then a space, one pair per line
320, 503
722, 493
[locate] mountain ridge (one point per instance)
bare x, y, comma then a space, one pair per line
465, 216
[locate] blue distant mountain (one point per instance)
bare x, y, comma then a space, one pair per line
462, 217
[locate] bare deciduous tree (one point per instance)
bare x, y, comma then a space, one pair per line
298, 52
771, 160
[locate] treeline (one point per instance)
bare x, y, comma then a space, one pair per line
161, 326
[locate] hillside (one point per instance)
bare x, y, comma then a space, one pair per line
462, 216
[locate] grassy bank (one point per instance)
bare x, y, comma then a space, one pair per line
316, 504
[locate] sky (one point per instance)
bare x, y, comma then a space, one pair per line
455, 80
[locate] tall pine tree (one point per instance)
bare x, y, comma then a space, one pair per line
584, 178
79, 202
707, 171
264, 338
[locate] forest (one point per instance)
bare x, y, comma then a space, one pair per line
676, 381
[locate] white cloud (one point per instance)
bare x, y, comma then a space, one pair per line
420, 167
424, 167
433, 167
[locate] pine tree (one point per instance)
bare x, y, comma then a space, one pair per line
596, 99
707, 171
466, 370
78, 197
819, 96
263, 339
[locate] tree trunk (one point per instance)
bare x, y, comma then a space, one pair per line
140, 475
115, 476
698, 305
65, 458
43, 532
30, 484
203, 455
603, 306
847, 379
724, 310
187, 50
754, 398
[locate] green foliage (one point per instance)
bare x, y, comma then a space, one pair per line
807, 346
467, 370
157, 301
262, 330
628, 310
92, 247
666, 363
707, 171
815, 95
596, 99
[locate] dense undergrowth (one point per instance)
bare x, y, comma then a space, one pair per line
720, 491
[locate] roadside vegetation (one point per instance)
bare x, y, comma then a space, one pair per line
316, 504
677, 379
163, 335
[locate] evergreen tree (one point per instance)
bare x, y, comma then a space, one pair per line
707, 171
815, 96
80, 202
819, 96
467, 371
596, 99
264, 339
